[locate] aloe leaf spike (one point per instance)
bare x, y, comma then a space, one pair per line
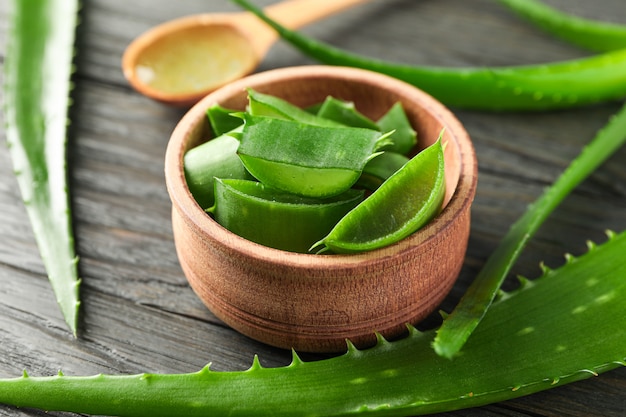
38, 68
458, 326
557, 329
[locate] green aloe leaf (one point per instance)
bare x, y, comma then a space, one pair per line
404, 137
458, 326
37, 83
554, 330
305, 159
239, 204
590, 34
260, 104
555, 85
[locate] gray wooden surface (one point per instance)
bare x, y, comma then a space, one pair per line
138, 312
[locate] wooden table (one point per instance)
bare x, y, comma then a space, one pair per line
138, 312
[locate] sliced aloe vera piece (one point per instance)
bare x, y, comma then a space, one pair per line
308, 160
215, 158
222, 119
277, 219
408, 200
260, 104
379, 169
345, 112
404, 137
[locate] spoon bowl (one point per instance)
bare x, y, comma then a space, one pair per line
181, 61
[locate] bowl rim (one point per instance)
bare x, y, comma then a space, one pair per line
196, 217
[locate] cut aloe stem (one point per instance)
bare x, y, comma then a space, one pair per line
379, 169
263, 215
304, 159
409, 199
214, 158
271, 106
222, 120
346, 113
404, 137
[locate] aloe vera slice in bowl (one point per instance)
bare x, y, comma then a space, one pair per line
308, 160
276, 219
405, 202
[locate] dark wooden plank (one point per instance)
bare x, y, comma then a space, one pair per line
139, 314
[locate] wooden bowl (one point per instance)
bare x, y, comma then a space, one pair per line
315, 302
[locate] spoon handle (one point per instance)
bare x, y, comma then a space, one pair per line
294, 14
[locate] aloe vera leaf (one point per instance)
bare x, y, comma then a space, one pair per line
404, 137
214, 158
593, 35
222, 119
458, 326
345, 112
407, 200
560, 328
271, 106
277, 219
378, 169
304, 159
38, 68
556, 85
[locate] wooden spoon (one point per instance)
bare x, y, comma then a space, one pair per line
181, 61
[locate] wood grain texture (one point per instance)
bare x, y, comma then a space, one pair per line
139, 313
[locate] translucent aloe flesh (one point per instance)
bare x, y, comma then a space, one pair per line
37, 84
560, 328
